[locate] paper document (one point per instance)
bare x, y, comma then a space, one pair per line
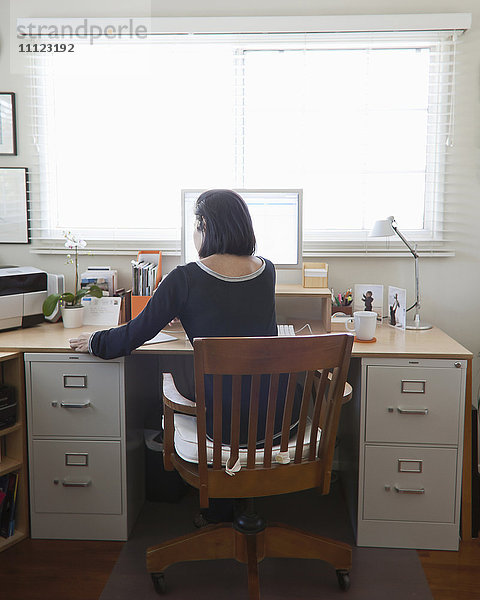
101, 311
160, 337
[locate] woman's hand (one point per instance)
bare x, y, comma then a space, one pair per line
80, 344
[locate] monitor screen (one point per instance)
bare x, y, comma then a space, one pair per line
277, 223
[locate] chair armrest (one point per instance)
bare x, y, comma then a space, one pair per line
347, 391
174, 399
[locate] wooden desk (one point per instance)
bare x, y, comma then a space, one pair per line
391, 343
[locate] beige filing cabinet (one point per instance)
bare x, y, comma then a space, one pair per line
410, 452
85, 442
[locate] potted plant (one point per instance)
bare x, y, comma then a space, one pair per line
70, 302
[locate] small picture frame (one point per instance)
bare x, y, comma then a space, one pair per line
14, 224
8, 130
368, 296
397, 311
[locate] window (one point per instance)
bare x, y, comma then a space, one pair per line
360, 123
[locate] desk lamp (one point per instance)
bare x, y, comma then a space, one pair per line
386, 228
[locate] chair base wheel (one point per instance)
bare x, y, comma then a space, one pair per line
159, 584
343, 579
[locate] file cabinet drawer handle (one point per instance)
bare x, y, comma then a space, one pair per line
409, 490
413, 411
82, 484
85, 404
413, 386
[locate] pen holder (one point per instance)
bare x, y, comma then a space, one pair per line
347, 310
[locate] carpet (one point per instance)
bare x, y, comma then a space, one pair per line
377, 573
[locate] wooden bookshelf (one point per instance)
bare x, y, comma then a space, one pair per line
14, 459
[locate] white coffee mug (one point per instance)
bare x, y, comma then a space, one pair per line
364, 323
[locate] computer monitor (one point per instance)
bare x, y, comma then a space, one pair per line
277, 223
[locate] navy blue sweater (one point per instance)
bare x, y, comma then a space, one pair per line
208, 305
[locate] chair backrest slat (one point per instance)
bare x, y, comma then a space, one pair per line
287, 411
269, 425
217, 421
235, 420
253, 421
302, 422
321, 380
327, 418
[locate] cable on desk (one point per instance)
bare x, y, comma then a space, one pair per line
302, 328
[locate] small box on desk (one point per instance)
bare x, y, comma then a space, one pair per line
315, 275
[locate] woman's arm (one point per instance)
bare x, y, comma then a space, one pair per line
166, 303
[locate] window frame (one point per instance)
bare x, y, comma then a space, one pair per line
315, 241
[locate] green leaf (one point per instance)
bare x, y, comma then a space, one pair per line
50, 303
68, 298
95, 291
81, 293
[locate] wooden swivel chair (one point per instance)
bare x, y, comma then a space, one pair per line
231, 471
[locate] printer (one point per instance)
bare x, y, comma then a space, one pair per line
22, 293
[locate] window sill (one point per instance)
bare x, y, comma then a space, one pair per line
376, 253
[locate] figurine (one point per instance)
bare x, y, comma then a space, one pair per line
368, 299
393, 310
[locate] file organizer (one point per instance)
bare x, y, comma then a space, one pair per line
315, 274
155, 257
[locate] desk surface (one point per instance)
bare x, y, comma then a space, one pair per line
394, 343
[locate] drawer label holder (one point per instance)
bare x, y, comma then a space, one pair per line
76, 459
74, 381
407, 465
413, 386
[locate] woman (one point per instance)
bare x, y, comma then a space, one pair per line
227, 292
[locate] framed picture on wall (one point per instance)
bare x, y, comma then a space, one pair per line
14, 226
8, 134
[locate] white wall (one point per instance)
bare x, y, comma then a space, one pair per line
450, 286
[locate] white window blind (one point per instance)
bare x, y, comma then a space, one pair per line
363, 122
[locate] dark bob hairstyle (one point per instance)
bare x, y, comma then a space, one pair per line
223, 218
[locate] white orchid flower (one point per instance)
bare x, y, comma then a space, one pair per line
73, 241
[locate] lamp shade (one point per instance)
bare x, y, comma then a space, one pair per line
382, 228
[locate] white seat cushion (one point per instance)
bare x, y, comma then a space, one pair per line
186, 443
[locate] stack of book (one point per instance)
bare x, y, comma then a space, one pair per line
146, 275
8, 498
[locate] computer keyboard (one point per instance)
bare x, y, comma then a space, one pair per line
285, 330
